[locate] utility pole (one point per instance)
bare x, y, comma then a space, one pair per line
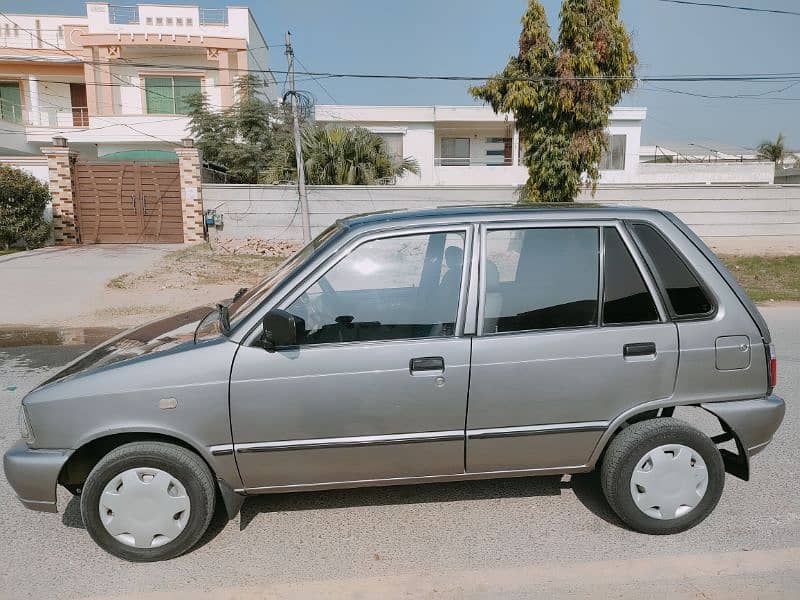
298, 147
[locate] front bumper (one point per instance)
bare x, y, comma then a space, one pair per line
34, 474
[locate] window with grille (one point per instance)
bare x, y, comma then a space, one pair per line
614, 157
455, 151
167, 95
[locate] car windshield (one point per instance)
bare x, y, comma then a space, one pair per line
253, 297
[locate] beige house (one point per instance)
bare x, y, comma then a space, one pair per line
114, 81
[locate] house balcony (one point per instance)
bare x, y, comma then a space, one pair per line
154, 130
471, 171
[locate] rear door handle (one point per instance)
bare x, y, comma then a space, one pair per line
426, 363
639, 349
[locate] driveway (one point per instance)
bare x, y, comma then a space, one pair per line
517, 538
54, 285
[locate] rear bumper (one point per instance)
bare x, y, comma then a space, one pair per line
752, 422
34, 474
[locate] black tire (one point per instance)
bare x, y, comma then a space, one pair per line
630, 446
183, 464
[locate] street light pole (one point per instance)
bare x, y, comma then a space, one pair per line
298, 148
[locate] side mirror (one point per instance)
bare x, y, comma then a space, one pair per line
281, 329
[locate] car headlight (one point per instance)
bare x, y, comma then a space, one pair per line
25, 431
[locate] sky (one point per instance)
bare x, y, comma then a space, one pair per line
476, 37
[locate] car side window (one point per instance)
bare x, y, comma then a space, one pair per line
402, 287
626, 299
686, 296
541, 278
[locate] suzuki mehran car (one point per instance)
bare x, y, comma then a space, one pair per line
419, 346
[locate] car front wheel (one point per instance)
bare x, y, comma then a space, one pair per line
662, 476
148, 501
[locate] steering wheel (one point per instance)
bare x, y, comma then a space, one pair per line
325, 308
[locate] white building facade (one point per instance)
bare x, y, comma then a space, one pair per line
474, 146
113, 82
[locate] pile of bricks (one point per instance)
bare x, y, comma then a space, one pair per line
256, 245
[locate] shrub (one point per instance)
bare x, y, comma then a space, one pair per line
23, 199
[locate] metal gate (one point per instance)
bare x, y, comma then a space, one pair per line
128, 202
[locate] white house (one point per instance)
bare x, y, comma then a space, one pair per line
113, 81
472, 145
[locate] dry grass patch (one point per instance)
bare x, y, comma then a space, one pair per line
199, 265
767, 278
115, 312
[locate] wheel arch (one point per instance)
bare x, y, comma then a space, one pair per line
89, 452
737, 465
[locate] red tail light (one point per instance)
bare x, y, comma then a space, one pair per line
773, 367
773, 372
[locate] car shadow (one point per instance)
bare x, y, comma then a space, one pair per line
586, 488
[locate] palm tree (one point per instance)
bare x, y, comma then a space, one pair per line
337, 155
774, 151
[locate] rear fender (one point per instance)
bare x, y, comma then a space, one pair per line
751, 424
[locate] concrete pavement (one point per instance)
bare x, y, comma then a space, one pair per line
48, 285
518, 538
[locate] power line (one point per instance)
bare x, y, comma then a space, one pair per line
318, 82
314, 75
733, 7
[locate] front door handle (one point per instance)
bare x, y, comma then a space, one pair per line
639, 349
426, 363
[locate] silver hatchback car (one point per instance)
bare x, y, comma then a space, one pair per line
411, 347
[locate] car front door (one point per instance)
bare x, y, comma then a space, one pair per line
377, 386
570, 335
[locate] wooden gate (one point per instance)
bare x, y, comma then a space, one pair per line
128, 202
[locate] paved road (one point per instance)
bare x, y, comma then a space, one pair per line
74, 275
512, 539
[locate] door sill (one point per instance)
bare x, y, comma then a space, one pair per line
336, 485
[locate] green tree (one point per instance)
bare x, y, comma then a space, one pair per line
774, 151
23, 199
561, 93
242, 138
336, 155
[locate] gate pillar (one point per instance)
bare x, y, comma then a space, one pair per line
189, 169
60, 165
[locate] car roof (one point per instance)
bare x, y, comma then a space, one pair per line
489, 212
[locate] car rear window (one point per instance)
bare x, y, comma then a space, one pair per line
686, 296
626, 299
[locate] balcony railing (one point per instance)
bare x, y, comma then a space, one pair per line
213, 16
123, 15
42, 38
10, 112
498, 161
77, 116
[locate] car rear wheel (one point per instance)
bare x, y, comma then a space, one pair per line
148, 501
662, 476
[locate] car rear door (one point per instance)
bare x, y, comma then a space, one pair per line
377, 388
570, 334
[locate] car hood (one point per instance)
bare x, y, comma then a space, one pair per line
156, 336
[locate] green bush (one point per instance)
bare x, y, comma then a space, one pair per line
23, 199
